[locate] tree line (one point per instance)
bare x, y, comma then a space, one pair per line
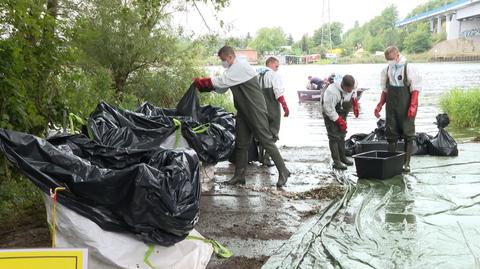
372, 36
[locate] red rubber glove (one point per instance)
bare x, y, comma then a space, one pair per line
383, 99
203, 84
342, 124
412, 110
356, 111
282, 101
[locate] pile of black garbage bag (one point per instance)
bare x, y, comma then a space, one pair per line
123, 179
209, 130
441, 144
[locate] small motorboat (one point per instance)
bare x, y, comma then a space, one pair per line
315, 95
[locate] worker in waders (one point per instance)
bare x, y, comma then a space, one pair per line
252, 118
401, 84
273, 89
337, 101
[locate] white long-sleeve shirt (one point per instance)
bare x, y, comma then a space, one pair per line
333, 96
396, 73
239, 72
272, 79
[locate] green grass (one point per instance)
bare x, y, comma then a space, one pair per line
462, 106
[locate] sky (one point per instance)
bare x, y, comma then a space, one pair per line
295, 17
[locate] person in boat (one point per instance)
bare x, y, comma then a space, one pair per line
252, 117
400, 88
315, 83
273, 91
337, 102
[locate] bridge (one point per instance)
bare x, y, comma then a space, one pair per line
461, 19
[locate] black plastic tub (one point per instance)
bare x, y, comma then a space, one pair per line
367, 146
379, 164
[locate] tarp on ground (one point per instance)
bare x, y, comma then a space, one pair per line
426, 219
209, 130
153, 193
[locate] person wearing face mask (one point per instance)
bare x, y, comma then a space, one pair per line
273, 89
252, 117
337, 102
400, 84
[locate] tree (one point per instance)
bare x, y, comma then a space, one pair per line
290, 40
328, 31
31, 58
305, 44
268, 40
418, 41
131, 37
373, 43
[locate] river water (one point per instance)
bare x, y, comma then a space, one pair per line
304, 126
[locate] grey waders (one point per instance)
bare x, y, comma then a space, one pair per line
274, 117
397, 123
252, 120
336, 138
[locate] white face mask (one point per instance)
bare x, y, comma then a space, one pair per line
392, 62
225, 64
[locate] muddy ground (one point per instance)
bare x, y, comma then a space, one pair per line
256, 219
252, 220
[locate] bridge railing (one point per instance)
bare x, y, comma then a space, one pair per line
432, 12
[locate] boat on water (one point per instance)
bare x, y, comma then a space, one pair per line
315, 95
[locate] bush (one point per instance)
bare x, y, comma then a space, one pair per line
462, 106
224, 101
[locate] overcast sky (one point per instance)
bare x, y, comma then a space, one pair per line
294, 16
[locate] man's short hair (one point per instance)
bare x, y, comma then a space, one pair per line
348, 81
271, 59
390, 49
226, 51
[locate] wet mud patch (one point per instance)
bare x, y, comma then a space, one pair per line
324, 192
239, 262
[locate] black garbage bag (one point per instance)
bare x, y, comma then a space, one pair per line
380, 131
352, 142
209, 130
421, 143
442, 144
115, 127
442, 120
152, 193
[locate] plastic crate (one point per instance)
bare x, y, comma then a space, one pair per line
379, 164
376, 145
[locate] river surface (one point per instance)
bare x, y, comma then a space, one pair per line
304, 126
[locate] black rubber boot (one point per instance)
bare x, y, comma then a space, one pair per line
238, 177
337, 164
341, 152
282, 178
408, 154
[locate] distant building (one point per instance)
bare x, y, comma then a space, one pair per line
250, 55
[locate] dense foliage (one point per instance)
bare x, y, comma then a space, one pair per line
68, 55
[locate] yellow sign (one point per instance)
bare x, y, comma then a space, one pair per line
44, 259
